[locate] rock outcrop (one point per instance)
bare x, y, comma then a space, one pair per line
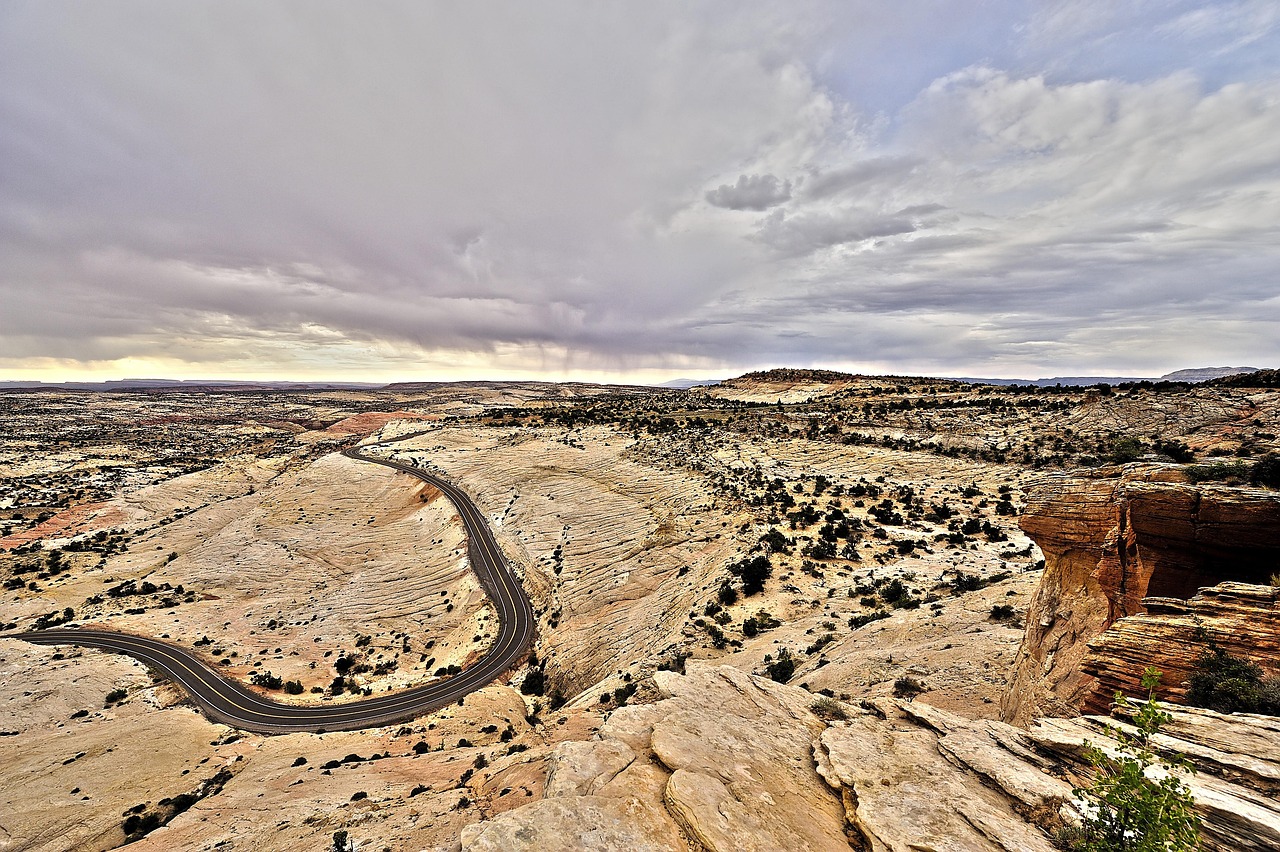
725, 762
730, 761
1240, 618
1111, 541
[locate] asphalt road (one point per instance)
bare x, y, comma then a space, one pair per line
228, 702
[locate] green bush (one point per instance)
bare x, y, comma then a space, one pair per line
1218, 471
828, 708
1130, 811
782, 668
1266, 471
1230, 684
1126, 450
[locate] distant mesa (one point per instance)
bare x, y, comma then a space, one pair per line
1193, 375
1204, 374
184, 385
683, 384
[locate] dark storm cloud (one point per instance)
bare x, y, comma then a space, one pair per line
325, 187
751, 192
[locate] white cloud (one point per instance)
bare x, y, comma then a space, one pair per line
363, 184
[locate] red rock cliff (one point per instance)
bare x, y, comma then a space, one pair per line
1111, 539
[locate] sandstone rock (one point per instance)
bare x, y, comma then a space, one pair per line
1109, 542
902, 793
725, 756
571, 824
1242, 619
581, 769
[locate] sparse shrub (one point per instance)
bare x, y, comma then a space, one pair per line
1218, 472
828, 708
534, 683
1266, 471
1176, 450
866, 618
114, 696
1126, 450
1230, 684
782, 669
907, 687
1002, 612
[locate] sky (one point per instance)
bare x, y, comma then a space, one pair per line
384, 191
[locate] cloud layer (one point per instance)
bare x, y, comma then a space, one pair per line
400, 190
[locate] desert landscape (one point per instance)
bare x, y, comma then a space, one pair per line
795, 609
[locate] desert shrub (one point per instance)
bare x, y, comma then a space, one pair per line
828, 708
1129, 809
782, 668
754, 572
1217, 471
267, 680
1230, 684
1176, 450
1126, 450
534, 683
866, 618
1001, 612
907, 687
1266, 471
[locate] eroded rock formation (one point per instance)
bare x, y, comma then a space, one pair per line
1109, 542
727, 761
1240, 618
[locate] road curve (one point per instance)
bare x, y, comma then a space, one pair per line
230, 703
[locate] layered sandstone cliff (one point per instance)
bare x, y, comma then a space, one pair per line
1111, 540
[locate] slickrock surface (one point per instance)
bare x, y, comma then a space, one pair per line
917, 777
637, 545
914, 777
1111, 542
71, 765
729, 761
1242, 619
725, 759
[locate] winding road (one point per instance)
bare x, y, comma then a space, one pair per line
230, 703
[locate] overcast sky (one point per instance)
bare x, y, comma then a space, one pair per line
384, 191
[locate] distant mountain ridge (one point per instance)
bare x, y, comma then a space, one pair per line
1193, 375
684, 384
780, 376
184, 385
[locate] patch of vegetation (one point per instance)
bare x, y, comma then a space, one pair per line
781, 669
863, 619
1230, 684
825, 707
908, 687
1133, 810
1218, 472
753, 572
1002, 612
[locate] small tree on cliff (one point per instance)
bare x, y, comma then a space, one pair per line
1137, 802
